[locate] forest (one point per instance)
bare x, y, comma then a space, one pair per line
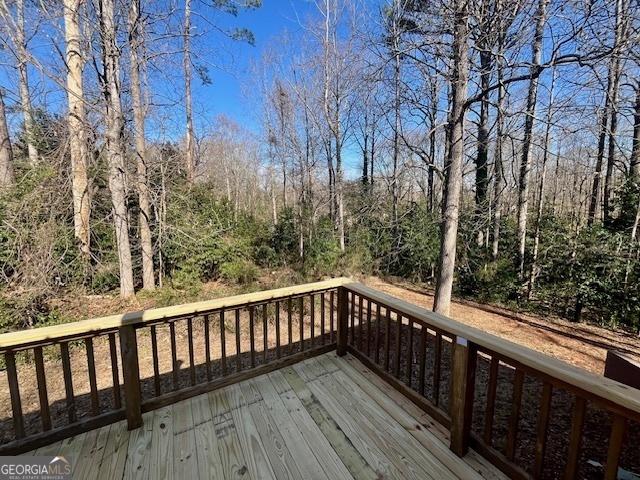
488, 149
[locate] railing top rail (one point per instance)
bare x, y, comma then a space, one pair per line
21, 339
599, 386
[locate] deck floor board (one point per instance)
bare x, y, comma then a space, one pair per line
324, 418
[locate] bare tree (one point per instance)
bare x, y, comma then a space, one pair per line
16, 31
136, 39
7, 176
530, 112
455, 158
115, 142
608, 114
190, 153
77, 122
615, 73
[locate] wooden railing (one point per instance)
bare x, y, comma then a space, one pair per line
434, 361
140, 361
157, 357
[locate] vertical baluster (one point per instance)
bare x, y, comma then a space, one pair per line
207, 346
575, 438
223, 345
398, 343
516, 402
387, 341
437, 361
368, 328
174, 356
360, 335
290, 324
352, 329
618, 429
68, 381
93, 384
491, 400
422, 358
312, 298
301, 306
238, 347
331, 314
192, 363
377, 347
156, 364
322, 330
252, 334
14, 391
410, 354
265, 332
278, 329
543, 422
115, 375
45, 415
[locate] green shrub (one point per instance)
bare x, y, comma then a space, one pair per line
240, 271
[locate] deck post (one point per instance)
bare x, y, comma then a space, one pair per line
131, 376
462, 392
342, 326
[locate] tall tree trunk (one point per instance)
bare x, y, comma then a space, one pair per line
634, 167
614, 78
136, 39
451, 204
365, 153
23, 81
7, 176
533, 272
525, 164
433, 118
339, 179
373, 151
190, 158
396, 111
77, 123
115, 142
498, 173
482, 157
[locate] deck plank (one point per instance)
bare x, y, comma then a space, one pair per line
304, 430
426, 438
208, 454
473, 459
115, 452
362, 460
404, 457
185, 458
233, 464
87, 465
250, 442
139, 453
280, 458
161, 454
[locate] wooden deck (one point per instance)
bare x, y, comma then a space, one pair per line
324, 418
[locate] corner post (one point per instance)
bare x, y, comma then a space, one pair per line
342, 321
462, 393
131, 376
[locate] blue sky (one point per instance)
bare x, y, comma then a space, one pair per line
226, 94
